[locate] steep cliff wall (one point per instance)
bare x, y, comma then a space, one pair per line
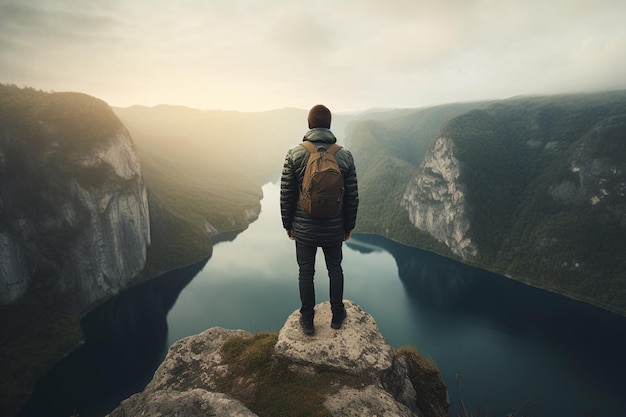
74, 224
435, 200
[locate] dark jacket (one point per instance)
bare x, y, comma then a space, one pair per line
307, 230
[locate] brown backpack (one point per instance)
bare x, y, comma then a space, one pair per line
322, 190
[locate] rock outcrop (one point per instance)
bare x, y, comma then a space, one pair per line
74, 222
363, 374
358, 348
435, 200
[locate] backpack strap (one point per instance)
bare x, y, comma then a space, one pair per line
309, 146
332, 149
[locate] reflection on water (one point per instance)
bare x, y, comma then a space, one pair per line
511, 341
125, 341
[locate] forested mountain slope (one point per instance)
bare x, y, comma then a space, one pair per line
204, 170
388, 149
74, 226
531, 187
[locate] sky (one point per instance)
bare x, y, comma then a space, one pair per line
352, 55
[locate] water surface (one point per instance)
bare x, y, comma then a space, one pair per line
516, 346
518, 349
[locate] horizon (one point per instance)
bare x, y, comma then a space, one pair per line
363, 110
340, 112
352, 56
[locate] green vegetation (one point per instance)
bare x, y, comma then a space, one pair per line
34, 336
186, 209
388, 152
563, 244
41, 131
531, 212
72, 121
257, 379
426, 379
397, 173
203, 172
198, 184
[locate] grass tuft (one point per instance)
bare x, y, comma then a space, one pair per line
269, 387
426, 379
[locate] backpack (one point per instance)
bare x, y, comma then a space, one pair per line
322, 190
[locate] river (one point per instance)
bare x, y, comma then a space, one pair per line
517, 348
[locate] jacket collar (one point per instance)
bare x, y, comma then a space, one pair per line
320, 134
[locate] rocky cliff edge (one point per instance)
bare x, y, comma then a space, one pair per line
352, 371
74, 217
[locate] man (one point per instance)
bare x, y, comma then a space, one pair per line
310, 233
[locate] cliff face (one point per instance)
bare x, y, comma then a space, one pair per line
435, 200
347, 372
74, 223
533, 188
479, 186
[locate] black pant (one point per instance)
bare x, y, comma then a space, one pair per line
306, 261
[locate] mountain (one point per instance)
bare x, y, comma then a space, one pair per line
388, 148
73, 201
530, 187
74, 224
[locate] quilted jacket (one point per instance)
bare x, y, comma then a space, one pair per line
304, 228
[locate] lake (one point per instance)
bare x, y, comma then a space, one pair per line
518, 348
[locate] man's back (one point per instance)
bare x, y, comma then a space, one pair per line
302, 225
311, 232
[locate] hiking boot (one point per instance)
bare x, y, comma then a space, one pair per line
307, 326
338, 319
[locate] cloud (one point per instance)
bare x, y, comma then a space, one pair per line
251, 55
300, 32
44, 41
34, 27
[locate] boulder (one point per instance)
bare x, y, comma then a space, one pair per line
358, 347
192, 403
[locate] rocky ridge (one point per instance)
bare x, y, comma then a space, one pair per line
365, 375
